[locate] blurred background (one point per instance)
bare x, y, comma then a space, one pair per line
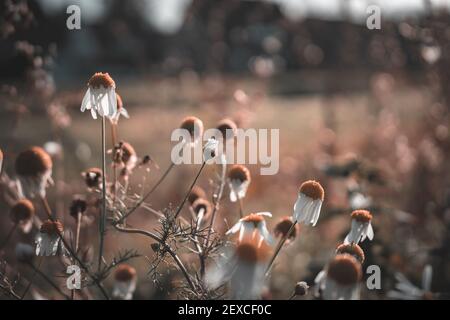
365, 112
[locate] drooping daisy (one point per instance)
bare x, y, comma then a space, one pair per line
48, 240
202, 209
243, 269
253, 226
340, 281
92, 177
121, 111
405, 290
125, 278
282, 228
227, 127
361, 227
22, 214
34, 170
195, 128
309, 202
100, 96
239, 179
353, 250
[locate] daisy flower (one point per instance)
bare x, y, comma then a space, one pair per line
48, 240
405, 290
125, 279
34, 170
22, 214
202, 209
309, 202
239, 179
340, 281
195, 128
100, 96
361, 227
243, 268
252, 226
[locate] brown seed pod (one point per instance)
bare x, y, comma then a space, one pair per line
345, 269
352, 249
283, 226
23, 210
227, 127
204, 204
250, 251
100, 79
312, 189
193, 125
239, 172
124, 273
33, 162
196, 193
362, 216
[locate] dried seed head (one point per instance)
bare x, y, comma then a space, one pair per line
362, 216
283, 226
52, 227
124, 273
196, 193
146, 159
345, 269
352, 249
78, 205
253, 217
33, 162
92, 177
301, 288
100, 79
200, 204
193, 125
239, 172
312, 189
23, 210
251, 252
227, 125
155, 246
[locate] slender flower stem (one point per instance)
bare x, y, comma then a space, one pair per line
241, 208
279, 246
8, 236
189, 191
142, 200
49, 281
292, 296
47, 209
166, 248
216, 204
103, 216
94, 278
77, 235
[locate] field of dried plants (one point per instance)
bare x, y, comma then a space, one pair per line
95, 209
